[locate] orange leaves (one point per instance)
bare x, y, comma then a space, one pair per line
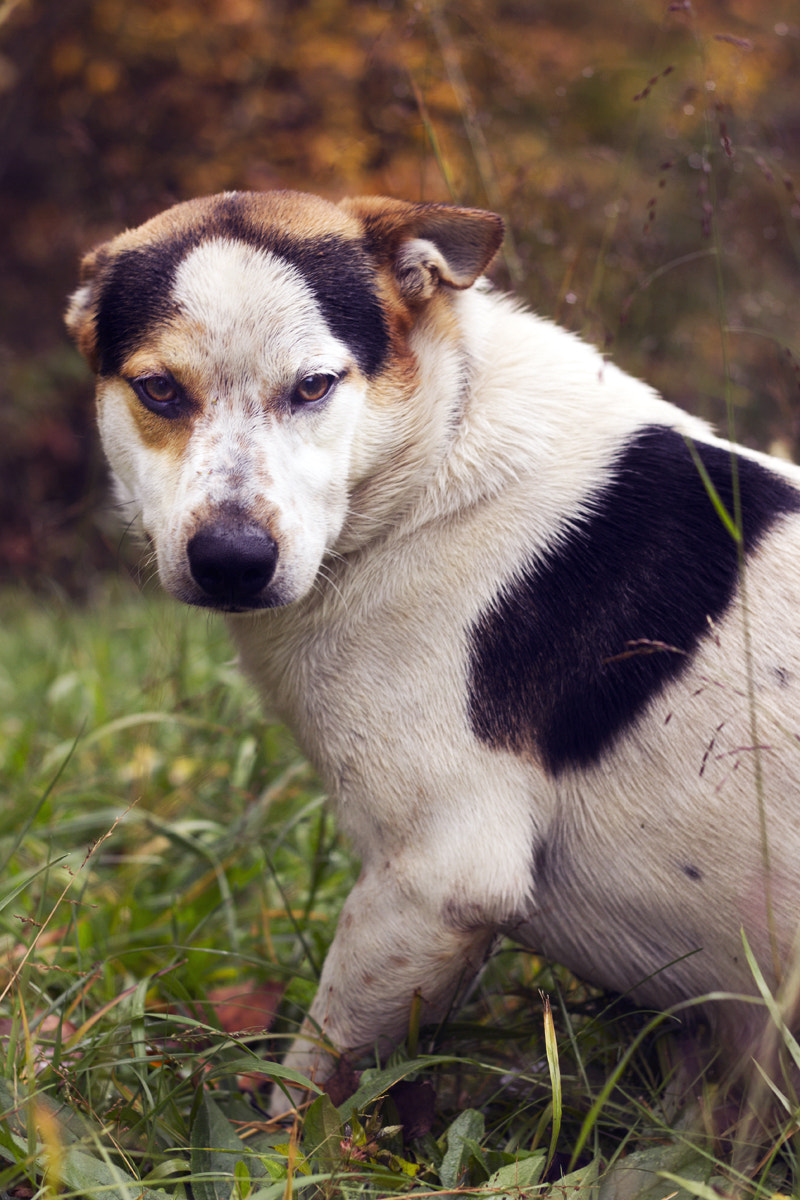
118, 108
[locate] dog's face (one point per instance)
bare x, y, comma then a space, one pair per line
259, 392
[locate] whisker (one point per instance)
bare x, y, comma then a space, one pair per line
326, 573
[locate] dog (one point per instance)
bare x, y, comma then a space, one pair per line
536, 627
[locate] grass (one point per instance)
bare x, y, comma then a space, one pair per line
169, 874
170, 879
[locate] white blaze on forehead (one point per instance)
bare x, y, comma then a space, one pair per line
255, 311
247, 329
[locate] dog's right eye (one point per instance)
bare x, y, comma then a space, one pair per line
313, 388
159, 393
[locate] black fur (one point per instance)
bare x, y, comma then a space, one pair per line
136, 293
555, 665
135, 297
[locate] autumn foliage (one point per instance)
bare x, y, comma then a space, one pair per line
645, 157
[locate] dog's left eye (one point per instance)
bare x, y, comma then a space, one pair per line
159, 393
313, 387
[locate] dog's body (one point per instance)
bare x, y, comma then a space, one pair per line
476, 570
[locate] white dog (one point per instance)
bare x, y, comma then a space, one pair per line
536, 628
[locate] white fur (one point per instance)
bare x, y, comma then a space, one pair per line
370, 676
250, 330
399, 515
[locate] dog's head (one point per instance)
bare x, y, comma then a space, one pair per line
259, 394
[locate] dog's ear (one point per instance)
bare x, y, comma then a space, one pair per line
428, 245
81, 315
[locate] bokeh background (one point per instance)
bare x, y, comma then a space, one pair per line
645, 155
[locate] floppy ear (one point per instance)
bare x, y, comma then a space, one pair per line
428, 245
81, 315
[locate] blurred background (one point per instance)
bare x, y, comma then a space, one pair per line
645, 155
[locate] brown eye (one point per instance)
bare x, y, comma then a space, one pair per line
159, 389
313, 387
161, 394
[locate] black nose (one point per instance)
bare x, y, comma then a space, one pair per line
232, 565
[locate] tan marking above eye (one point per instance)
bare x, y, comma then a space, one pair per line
313, 387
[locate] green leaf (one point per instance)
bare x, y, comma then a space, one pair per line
20, 887
277, 1191
404, 1167
253, 1065
322, 1133
478, 1169
690, 1187
468, 1127
216, 1151
241, 1174
578, 1185
640, 1175
92, 1176
9, 1149
100, 1179
276, 1169
375, 1083
526, 1171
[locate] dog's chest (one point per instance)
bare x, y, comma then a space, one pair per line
372, 682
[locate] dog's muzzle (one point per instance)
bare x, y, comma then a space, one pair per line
232, 565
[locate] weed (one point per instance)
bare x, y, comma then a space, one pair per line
170, 875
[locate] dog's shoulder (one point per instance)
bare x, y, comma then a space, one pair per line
589, 628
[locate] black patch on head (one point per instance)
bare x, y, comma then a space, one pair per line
136, 293
555, 667
135, 298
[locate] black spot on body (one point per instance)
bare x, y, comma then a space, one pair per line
136, 293
692, 872
551, 668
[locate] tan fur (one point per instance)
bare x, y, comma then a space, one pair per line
387, 522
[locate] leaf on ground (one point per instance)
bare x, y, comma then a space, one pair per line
322, 1133
97, 1179
277, 1191
216, 1150
462, 1136
525, 1172
93, 1177
638, 1176
578, 1185
375, 1083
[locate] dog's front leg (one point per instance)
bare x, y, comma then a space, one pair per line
395, 941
